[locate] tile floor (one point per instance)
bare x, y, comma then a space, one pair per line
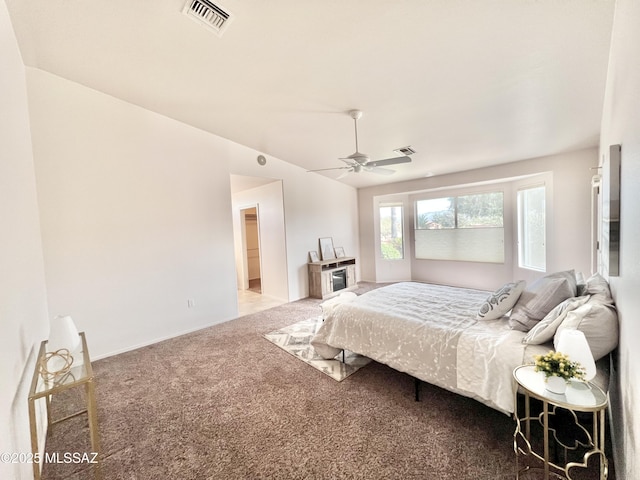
251, 302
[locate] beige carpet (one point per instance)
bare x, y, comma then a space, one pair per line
223, 403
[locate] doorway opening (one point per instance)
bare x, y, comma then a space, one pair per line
251, 249
260, 246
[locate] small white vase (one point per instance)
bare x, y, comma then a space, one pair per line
556, 385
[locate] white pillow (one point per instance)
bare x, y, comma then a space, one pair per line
599, 323
501, 301
598, 287
544, 330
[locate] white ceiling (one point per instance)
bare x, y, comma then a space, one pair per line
465, 83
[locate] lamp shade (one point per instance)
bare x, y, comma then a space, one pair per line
574, 344
63, 334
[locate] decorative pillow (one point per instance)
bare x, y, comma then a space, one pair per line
544, 330
599, 323
598, 287
540, 298
501, 301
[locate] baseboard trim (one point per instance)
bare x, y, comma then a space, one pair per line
159, 339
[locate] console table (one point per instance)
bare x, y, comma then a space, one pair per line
328, 278
575, 419
80, 374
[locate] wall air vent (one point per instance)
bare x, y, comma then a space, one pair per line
209, 14
405, 151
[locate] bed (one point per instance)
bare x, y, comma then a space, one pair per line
465, 340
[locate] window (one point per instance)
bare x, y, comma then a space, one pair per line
436, 213
391, 244
466, 227
484, 210
531, 228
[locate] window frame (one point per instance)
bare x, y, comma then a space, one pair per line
521, 242
382, 205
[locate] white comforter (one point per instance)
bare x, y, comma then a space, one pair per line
432, 333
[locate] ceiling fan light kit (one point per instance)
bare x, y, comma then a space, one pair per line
358, 161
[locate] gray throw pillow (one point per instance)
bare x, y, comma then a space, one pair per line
538, 299
545, 329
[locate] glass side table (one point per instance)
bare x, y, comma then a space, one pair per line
80, 374
575, 420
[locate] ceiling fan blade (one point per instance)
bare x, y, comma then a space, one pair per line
325, 169
342, 175
389, 161
348, 161
380, 171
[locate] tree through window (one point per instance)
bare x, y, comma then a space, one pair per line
391, 226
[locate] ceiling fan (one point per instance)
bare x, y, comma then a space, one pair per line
358, 162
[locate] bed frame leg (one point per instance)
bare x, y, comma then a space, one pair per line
417, 388
343, 355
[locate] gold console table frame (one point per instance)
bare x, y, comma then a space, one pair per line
43, 387
581, 397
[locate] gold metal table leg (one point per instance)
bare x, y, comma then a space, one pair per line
92, 413
545, 421
34, 438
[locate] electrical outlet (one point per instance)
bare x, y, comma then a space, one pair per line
190, 303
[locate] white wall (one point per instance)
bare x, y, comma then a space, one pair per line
136, 217
273, 253
23, 308
621, 125
314, 207
569, 223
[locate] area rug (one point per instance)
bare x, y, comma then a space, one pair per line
295, 339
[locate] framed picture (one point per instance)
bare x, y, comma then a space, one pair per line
313, 256
326, 248
339, 252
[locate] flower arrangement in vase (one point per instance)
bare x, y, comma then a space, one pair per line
558, 369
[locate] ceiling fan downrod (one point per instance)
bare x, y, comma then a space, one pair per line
356, 115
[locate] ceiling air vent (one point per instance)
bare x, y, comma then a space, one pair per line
209, 14
405, 151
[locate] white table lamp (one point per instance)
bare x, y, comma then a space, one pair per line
62, 347
574, 344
